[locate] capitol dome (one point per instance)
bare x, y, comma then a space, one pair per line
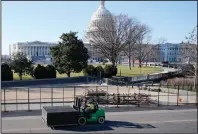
100, 16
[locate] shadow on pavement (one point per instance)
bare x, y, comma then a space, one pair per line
107, 126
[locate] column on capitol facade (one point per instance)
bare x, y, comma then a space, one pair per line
42, 50
25, 47
45, 50
28, 50
25, 50
48, 50
34, 50
37, 50
31, 50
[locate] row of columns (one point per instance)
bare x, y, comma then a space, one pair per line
35, 50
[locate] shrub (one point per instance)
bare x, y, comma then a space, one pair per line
6, 72
50, 71
99, 71
188, 69
115, 71
180, 81
110, 71
107, 71
89, 70
40, 72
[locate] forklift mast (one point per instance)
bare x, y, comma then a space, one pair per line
77, 104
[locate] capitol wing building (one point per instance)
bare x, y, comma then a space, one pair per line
39, 51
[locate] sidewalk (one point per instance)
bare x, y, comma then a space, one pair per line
125, 108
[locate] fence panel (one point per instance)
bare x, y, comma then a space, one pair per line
57, 96
34, 98
45, 97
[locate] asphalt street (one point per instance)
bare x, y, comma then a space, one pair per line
158, 121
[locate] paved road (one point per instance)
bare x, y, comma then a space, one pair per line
166, 121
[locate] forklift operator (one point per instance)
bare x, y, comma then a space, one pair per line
90, 109
91, 106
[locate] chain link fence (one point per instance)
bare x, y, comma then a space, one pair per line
134, 94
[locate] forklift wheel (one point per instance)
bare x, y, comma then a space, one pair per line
82, 121
101, 120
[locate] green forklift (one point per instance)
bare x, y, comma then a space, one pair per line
77, 115
95, 115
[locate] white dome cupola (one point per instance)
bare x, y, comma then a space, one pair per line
100, 16
101, 12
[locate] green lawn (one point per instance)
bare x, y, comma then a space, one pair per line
123, 69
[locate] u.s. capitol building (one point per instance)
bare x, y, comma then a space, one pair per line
40, 51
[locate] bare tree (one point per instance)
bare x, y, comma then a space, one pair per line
134, 33
162, 40
110, 37
142, 48
150, 53
154, 56
190, 52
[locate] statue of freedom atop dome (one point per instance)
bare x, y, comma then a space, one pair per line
102, 3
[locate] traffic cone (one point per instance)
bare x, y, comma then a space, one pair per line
180, 99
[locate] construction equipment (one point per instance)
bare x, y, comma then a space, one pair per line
76, 115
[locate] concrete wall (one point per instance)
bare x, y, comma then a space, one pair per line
25, 83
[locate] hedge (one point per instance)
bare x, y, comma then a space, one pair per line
6, 72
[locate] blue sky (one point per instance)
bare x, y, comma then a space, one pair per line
46, 21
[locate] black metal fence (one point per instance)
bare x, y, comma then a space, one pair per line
139, 94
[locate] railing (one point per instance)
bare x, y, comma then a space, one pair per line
137, 79
35, 98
